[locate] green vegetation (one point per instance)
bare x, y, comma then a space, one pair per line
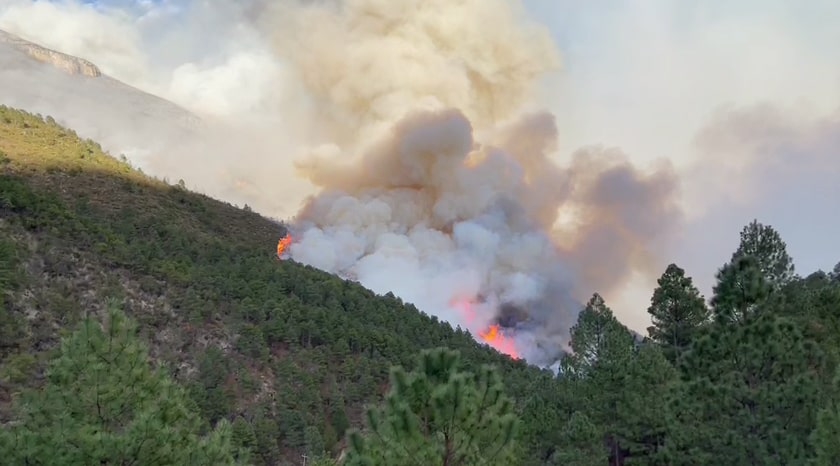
437, 415
142, 322
103, 404
289, 355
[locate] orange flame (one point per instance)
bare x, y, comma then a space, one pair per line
283, 244
492, 335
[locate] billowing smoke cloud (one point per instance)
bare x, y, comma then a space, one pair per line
440, 186
435, 216
435, 174
366, 63
418, 128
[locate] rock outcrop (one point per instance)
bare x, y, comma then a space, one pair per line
67, 63
79, 95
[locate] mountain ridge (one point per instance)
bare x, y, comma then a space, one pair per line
68, 63
77, 94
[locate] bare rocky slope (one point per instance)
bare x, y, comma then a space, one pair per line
78, 95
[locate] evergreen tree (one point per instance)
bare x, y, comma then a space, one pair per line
642, 414
596, 336
244, 437
765, 244
209, 389
582, 443
826, 436
597, 372
740, 290
749, 398
437, 415
677, 311
314, 441
104, 404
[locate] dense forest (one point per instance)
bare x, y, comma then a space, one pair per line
141, 323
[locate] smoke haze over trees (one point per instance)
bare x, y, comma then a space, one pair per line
274, 84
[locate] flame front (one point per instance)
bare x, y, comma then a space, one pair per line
283, 244
492, 335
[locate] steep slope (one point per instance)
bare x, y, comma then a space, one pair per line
287, 352
77, 94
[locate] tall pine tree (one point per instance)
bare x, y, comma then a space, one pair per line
582, 443
643, 414
749, 397
765, 244
437, 415
740, 291
677, 311
597, 372
596, 336
826, 435
104, 404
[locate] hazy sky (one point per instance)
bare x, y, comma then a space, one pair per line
741, 96
648, 76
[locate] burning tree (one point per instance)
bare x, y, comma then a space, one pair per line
283, 245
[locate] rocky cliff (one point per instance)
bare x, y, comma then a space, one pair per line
77, 94
67, 63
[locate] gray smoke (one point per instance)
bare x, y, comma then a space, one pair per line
432, 170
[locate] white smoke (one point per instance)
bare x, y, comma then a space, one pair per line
440, 186
411, 217
435, 173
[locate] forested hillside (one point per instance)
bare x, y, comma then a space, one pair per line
141, 322
287, 353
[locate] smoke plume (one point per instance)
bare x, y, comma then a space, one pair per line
441, 185
413, 133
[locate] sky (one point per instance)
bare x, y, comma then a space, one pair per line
742, 97
651, 76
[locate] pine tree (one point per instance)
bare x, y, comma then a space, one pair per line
437, 415
642, 413
596, 336
740, 291
677, 311
582, 443
104, 404
750, 397
598, 371
244, 437
826, 436
314, 441
765, 244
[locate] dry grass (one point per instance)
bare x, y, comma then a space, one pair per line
56, 160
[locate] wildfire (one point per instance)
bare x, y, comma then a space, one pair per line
492, 335
283, 244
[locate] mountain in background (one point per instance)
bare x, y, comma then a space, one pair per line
78, 95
